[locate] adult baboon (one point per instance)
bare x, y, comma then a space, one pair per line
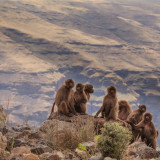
134, 118
110, 104
80, 99
147, 129
88, 90
124, 110
65, 99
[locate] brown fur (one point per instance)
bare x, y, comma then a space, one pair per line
124, 110
88, 90
110, 104
80, 99
134, 118
137, 115
149, 133
65, 99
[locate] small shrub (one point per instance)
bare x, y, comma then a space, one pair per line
114, 140
82, 147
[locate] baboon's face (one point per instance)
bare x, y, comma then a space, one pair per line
148, 117
112, 91
89, 88
142, 108
69, 83
79, 87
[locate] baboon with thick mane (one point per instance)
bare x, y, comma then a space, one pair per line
80, 99
110, 104
148, 131
124, 110
64, 99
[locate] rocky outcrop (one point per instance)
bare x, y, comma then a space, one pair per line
141, 151
23, 143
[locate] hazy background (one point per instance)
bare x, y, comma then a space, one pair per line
104, 42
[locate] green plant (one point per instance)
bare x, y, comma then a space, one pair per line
82, 147
114, 140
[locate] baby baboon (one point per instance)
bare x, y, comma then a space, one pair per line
65, 99
124, 110
148, 132
110, 104
88, 90
134, 118
80, 99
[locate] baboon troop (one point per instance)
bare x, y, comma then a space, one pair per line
70, 103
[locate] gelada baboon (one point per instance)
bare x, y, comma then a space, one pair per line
65, 99
148, 131
137, 115
110, 105
134, 118
88, 90
80, 99
124, 110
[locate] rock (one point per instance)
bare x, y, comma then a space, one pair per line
30, 156
40, 149
45, 142
109, 158
16, 143
96, 158
44, 155
21, 128
81, 154
35, 135
19, 151
10, 134
90, 146
56, 155
4, 154
53, 125
62, 117
3, 141
16, 158
142, 151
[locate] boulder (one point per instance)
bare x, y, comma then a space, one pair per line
56, 155
142, 151
16, 143
109, 158
44, 155
4, 154
40, 149
19, 151
62, 117
81, 154
30, 156
21, 128
90, 147
96, 158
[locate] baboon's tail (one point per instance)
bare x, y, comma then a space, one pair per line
52, 110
